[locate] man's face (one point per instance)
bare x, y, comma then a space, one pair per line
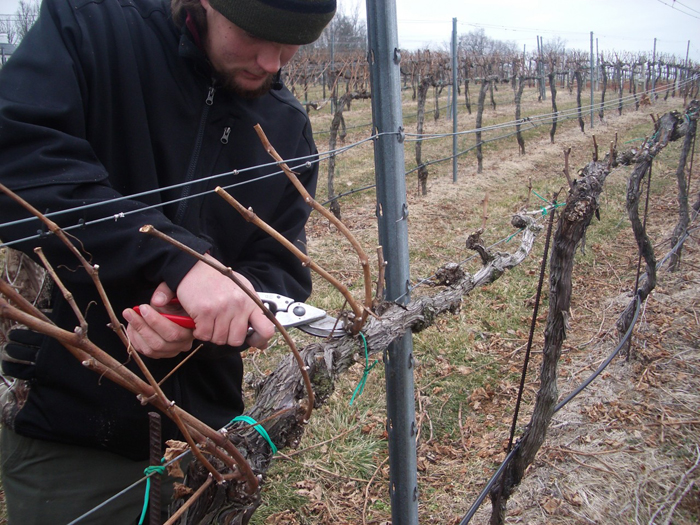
245, 64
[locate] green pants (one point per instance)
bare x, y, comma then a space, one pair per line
49, 483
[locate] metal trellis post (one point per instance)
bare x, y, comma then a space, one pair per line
392, 212
334, 89
597, 66
591, 75
540, 70
653, 75
455, 89
685, 71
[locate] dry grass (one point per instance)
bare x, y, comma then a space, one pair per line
624, 451
619, 453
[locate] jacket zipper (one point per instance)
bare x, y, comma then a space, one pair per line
182, 206
224, 137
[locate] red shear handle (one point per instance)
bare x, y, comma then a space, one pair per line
181, 320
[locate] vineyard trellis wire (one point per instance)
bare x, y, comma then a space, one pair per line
533, 121
622, 102
411, 137
315, 160
622, 342
495, 477
561, 404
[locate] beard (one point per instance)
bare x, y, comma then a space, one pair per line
228, 82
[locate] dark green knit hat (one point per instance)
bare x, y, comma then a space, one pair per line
295, 22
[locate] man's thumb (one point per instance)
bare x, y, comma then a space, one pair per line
162, 296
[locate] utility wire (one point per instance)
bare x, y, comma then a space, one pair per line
309, 159
482, 496
673, 6
124, 491
515, 449
687, 7
480, 499
316, 159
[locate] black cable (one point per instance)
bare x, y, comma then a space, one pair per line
349, 192
482, 496
480, 499
692, 156
533, 324
605, 363
644, 228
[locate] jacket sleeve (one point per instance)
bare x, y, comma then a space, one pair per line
267, 263
47, 158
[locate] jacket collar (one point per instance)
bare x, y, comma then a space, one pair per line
191, 47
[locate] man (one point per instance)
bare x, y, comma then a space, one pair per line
126, 109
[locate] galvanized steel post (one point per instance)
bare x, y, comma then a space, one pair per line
653, 75
384, 59
591, 75
455, 90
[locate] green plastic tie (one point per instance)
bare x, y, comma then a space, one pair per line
361, 387
150, 471
259, 429
516, 233
553, 206
541, 197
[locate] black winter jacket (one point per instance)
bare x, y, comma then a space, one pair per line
104, 102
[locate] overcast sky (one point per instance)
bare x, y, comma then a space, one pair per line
618, 25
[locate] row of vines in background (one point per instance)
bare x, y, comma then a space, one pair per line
350, 71
619, 80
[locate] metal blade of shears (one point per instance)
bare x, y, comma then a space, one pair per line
289, 313
327, 326
307, 318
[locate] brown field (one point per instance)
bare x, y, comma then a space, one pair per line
624, 451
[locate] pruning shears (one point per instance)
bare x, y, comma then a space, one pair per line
289, 313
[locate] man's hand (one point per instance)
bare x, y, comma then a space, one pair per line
153, 335
222, 313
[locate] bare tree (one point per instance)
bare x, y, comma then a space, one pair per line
7, 27
555, 46
478, 44
26, 15
347, 33
16, 26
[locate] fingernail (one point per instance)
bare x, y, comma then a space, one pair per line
127, 315
145, 310
159, 298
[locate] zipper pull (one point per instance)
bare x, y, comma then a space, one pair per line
224, 137
210, 96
